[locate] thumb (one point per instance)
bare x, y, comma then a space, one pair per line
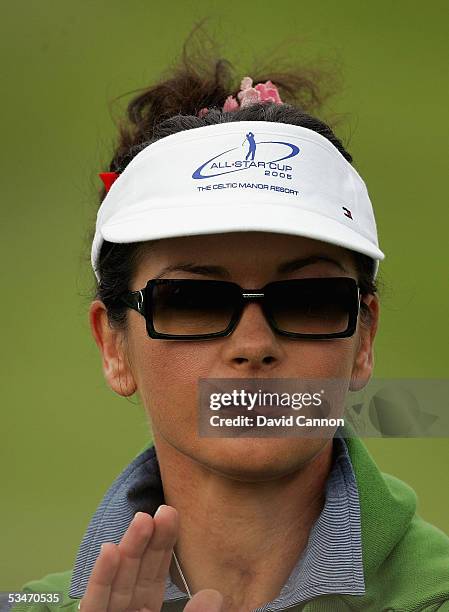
207, 600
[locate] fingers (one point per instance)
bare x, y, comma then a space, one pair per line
96, 597
111, 583
132, 574
149, 588
132, 547
207, 600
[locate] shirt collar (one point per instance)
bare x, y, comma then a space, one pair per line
331, 562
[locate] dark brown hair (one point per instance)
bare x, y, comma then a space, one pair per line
201, 79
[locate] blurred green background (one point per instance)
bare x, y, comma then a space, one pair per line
66, 435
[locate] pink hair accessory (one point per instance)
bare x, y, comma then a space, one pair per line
262, 92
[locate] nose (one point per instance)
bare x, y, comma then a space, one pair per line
253, 346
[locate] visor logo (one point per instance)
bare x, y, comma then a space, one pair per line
252, 146
269, 155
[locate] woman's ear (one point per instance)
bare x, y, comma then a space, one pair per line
364, 357
112, 345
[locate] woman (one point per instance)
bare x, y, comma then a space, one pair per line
191, 217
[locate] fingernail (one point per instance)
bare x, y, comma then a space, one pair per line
161, 506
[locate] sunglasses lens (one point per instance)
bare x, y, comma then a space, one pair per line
308, 306
313, 305
190, 307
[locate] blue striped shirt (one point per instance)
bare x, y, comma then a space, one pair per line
331, 563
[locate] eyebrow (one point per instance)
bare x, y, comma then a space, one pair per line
286, 267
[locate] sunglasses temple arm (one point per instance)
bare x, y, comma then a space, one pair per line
133, 299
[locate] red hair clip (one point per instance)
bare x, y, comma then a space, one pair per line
108, 178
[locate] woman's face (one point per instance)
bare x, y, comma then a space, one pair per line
165, 373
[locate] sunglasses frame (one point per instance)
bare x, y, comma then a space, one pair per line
140, 301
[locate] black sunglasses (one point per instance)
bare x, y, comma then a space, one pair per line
191, 309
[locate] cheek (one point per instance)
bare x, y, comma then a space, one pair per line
322, 359
168, 383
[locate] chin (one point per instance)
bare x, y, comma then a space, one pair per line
256, 459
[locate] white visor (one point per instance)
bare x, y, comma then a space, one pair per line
239, 176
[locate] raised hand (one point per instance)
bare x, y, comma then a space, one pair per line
131, 576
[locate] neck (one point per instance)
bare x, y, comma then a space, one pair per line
241, 538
